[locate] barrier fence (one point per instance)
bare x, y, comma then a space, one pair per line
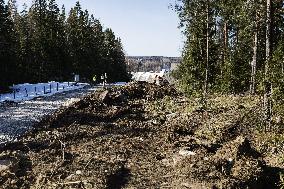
36, 90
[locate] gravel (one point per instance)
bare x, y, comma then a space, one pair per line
18, 118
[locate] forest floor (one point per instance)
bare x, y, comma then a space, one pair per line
146, 136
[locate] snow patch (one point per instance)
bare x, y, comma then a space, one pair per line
147, 76
26, 91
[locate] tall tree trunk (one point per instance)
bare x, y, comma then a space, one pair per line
225, 49
282, 70
207, 50
225, 40
254, 61
268, 86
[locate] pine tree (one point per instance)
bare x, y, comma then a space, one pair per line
56, 46
116, 67
7, 48
25, 56
236, 36
73, 32
92, 50
41, 43
97, 48
198, 68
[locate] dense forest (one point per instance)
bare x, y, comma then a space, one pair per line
44, 43
233, 47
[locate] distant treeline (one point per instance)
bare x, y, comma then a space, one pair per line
43, 43
151, 63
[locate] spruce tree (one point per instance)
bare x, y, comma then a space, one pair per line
41, 43
7, 47
199, 56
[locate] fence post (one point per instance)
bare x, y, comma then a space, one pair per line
35, 91
50, 88
57, 86
26, 92
43, 89
14, 94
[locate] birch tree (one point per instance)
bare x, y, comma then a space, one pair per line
268, 86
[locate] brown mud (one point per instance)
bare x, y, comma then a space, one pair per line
142, 136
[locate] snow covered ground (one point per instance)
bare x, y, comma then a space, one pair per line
18, 117
19, 111
147, 76
30, 91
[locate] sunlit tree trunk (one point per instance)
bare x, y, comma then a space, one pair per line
282, 72
254, 61
207, 49
225, 48
268, 86
225, 40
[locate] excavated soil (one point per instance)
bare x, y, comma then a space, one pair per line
141, 136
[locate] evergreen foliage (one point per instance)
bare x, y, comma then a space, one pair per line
42, 43
234, 25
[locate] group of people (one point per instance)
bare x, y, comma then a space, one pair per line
158, 80
103, 79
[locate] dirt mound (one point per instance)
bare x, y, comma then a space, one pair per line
180, 126
148, 91
111, 139
13, 169
98, 142
234, 165
105, 105
240, 161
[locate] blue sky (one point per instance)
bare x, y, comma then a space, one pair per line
146, 27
